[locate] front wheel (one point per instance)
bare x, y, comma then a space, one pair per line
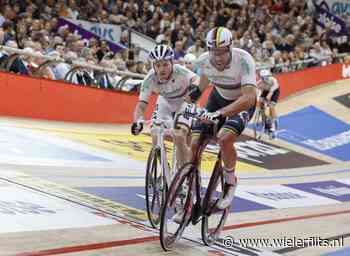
259, 124
155, 187
179, 199
213, 219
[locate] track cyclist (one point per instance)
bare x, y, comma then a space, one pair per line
174, 84
231, 71
270, 91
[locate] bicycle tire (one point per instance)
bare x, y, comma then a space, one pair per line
167, 240
152, 190
259, 124
209, 235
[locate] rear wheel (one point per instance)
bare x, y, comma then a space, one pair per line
213, 219
179, 198
155, 187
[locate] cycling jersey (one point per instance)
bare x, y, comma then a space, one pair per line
239, 72
270, 84
173, 90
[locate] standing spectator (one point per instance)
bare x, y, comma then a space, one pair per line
178, 51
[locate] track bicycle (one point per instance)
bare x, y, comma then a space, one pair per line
198, 203
158, 171
262, 123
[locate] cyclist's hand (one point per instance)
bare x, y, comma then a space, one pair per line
268, 98
210, 116
190, 111
136, 127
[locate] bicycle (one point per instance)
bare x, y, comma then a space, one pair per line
262, 123
185, 190
158, 172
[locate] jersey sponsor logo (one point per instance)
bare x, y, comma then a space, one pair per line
344, 99
245, 66
317, 130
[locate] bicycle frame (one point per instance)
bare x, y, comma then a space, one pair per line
161, 131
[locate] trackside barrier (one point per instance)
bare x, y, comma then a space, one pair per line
32, 97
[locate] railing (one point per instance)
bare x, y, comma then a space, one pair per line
302, 64
126, 78
76, 66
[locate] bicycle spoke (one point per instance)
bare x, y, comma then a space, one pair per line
176, 214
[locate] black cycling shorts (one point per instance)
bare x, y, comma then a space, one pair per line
236, 123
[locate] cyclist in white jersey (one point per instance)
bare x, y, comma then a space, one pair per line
270, 91
232, 73
174, 84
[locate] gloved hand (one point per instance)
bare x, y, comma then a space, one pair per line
136, 128
210, 116
190, 111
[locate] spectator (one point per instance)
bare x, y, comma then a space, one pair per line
178, 51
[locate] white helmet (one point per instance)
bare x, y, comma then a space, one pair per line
190, 58
161, 52
219, 37
265, 73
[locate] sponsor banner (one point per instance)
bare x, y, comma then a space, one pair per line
325, 18
344, 99
18, 143
331, 189
88, 30
336, 7
270, 156
26, 210
83, 104
135, 197
279, 196
317, 130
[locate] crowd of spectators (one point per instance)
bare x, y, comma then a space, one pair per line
273, 31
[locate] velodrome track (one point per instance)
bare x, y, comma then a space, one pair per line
72, 189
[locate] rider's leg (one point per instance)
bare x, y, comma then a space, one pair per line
226, 139
227, 136
182, 148
273, 116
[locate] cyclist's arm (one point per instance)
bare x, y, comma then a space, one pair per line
245, 102
140, 110
196, 89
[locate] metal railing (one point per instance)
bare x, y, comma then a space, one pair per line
302, 64
125, 76
76, 66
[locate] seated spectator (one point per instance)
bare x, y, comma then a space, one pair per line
320, 56
178, 51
